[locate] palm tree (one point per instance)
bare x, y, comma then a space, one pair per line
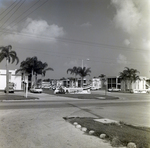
129, 76
33, 67
83, 72
43, 68
28, 67
103, 79
24, 67
123, 77
73, 71
10, 56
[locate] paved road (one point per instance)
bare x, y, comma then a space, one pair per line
130, 108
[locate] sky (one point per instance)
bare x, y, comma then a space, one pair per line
106, 35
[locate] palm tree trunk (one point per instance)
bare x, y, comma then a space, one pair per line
7, 77
82, 82
41, 80
35, 80
32, 79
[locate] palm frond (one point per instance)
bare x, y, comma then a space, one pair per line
2, 57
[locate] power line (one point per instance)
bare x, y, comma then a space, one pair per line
29, 13
13, 13
8, 8
70, 56
114, 47
24, 12
70, 40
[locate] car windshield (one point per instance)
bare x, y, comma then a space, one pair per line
37, 88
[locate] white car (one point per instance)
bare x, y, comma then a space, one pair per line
36, 90
59, 91
114, 90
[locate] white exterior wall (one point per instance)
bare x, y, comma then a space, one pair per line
2, 82
96, 83
16, 79
139, 84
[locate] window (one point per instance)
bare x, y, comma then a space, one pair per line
109, 86
119, 80
114, 80
109, 80
114, 85
118, 86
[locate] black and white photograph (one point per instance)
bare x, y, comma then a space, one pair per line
74, 73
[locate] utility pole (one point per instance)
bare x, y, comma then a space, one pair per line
86, 60
82, 64
105, 86
26, 88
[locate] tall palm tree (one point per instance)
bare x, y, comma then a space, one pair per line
123, 77
33, 67
83, 72
43, 68
24, 68
73, 71
28, 67
103, 79
129, 76
10, 56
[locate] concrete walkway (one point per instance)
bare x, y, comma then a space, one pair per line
43, 128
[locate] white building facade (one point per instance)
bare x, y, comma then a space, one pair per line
139, 86
96, 84
16, 79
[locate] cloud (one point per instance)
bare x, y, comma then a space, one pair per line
86, 24
35, 30
126, 42
127, 15
132, 17
121, 59
71, 63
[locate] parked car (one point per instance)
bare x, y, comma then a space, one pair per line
10, 89
59, 90
114, 90
36, 90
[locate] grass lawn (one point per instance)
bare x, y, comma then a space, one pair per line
15, 97
82, 96
118, 135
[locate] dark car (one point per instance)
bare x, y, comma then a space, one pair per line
10, 89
